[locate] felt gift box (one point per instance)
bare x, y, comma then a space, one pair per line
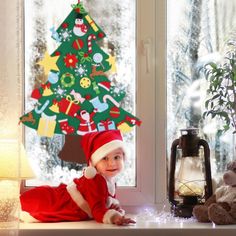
106, 125
47, 125
69, 106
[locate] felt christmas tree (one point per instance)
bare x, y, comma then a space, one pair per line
78, 96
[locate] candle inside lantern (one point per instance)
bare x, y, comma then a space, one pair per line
190, 179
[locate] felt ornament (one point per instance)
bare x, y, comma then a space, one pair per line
49, 63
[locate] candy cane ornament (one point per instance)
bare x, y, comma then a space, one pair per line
109, 97
39, 111
90, 38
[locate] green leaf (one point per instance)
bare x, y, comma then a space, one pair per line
219, 77
206, 103
212, 104
212, 65
213, 115
219, 132
215, 96
226, 127
204, 115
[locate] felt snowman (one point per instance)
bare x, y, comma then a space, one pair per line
80, 29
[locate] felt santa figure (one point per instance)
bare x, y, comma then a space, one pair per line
87, 124
90, 197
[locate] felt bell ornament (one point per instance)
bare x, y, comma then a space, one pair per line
54, 107
46, 90
124, 127
36, 94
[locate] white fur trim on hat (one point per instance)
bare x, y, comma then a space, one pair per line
102, 151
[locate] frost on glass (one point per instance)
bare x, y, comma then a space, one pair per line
197, 33
117, 19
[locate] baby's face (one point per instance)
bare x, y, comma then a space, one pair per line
112, 164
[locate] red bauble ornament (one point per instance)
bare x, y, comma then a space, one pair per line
57, 53
64, 25
78, 44
101, 35
115, 112
87, 97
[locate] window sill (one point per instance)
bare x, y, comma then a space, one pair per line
146, 228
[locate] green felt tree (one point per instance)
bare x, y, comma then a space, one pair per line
78, 97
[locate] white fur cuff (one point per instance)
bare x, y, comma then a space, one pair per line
26, 217
108, 216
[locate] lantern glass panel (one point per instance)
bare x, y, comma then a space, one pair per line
189, 176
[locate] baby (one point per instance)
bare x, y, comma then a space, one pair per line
90, 197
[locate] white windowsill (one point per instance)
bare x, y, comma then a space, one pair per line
140, 228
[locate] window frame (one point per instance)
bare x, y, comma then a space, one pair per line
151, 189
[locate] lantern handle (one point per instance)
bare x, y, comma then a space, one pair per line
208, 190
172, 171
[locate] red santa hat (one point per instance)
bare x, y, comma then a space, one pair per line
105, 84
96, 145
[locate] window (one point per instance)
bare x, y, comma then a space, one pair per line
120, 41
138, 55
197, 33
150, 88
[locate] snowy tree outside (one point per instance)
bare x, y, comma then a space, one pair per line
197, 33
119, 27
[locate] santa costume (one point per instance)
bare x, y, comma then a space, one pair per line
88, 197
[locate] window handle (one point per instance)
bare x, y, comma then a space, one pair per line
146, 49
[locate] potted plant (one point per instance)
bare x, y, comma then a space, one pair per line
221, 102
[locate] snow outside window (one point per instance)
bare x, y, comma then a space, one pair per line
198, 32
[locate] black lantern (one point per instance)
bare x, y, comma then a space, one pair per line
190, 173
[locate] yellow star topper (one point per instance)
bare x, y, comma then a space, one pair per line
49, 63
112, 62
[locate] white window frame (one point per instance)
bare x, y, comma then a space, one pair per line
151, 189
151, 186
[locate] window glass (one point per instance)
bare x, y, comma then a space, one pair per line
198, 32
119, 27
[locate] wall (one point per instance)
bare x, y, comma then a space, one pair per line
10, 69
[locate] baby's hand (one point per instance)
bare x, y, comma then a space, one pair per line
121, 220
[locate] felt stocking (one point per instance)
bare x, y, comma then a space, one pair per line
65, 127
99, 105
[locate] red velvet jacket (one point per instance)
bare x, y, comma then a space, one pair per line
82, 200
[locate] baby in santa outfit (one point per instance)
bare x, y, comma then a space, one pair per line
90, 197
